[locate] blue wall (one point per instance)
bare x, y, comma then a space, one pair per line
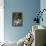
43, 6
28, 8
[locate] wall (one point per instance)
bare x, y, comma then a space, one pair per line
1, 20
28, 8
43, 6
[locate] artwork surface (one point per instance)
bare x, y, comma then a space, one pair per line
17, 19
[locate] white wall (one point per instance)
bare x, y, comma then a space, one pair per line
1, 20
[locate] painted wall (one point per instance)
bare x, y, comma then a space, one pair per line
28, 8
1, 20
43, 6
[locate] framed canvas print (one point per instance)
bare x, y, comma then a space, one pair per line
17, 19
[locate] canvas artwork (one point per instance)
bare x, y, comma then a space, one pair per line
17, 19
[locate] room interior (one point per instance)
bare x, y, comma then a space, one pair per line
17, 25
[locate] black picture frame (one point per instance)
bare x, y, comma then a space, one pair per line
17, 19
